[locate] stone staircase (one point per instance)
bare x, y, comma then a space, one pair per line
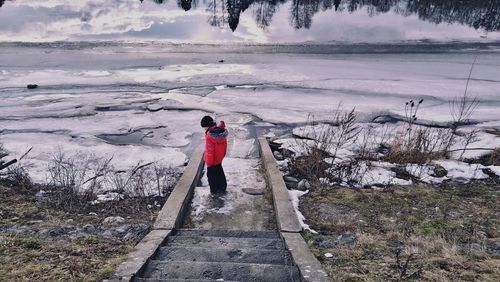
213, 255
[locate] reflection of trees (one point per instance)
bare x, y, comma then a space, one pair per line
264, 11
476, 13
483, 14
302, 11
1, 2
217, 9
186, 4
235, 8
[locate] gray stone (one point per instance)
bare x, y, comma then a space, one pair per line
89, 228
121, 230
493, 248
291, 182
40, 195
439, 171
303, 185
278, 156
327, 242
110, 220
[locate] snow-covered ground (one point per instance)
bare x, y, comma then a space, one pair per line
144, 102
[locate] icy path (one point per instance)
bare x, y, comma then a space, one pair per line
236, 210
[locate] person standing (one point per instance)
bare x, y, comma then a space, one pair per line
215, 151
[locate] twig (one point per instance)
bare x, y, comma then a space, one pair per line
142, 166
93, 178
455, 150
24, 155
470, 74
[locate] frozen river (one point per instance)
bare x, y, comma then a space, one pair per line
144, 101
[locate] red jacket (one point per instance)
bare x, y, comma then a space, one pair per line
215, 144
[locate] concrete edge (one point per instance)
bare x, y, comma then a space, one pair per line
310, 268
285, 214
175, 207
137, 259
168, 219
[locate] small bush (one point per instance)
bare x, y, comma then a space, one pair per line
28, 243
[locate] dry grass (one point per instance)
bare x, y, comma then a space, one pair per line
25, 258
441, 234
90, 258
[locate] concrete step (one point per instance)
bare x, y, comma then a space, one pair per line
239, 255
228, 233
225, 242
217, 270
174, 280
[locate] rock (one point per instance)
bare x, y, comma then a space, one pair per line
493, 248
32, 86
221, 61
137, 232
122, 230
110, 220
107, 234
278, 156
41, 215
34, 221
439, 171
40, 195
384, 149
89, 228
274, 146
291, 182
345, 239
329, 241
253, 191
396, 244
303, 185
92, 213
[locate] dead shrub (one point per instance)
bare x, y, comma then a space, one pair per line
419, 145
324, 142
75, 181
312, 164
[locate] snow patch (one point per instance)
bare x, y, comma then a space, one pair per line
462, 171
294, 197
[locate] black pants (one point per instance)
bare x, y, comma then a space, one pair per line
216, 179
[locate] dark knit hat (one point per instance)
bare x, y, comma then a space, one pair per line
207, 121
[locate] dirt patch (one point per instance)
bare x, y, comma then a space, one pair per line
415, 232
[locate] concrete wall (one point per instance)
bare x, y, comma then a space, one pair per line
169, 218
288, 223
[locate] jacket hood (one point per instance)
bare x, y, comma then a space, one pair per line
218, 131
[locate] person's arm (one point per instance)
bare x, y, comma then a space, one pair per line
209, 152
